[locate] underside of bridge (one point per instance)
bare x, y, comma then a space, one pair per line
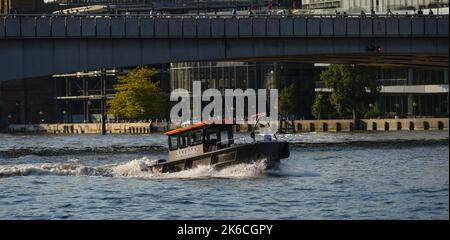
27, 58
432, 62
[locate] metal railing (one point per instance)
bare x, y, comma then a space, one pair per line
205, 26
222, 15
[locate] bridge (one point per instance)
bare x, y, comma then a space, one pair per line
32, 46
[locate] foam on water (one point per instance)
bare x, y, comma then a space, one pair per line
62, 169
135, 169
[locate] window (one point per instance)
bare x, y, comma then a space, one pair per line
173, 141
184, 141
212, 136
196, 137
224, 138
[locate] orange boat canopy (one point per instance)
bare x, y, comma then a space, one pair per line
192, 127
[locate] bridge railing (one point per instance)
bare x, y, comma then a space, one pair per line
219, 26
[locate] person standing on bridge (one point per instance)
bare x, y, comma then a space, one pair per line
234, 12
389, 12
363, 14
420, 12
269, 7
250, 12
290, 13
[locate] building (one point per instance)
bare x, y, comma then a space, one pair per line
28, 100
407, 92
21, 6
245, 75
73, 97
382, 6
404, 93
413, 92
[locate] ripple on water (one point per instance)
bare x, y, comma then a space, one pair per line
321, 182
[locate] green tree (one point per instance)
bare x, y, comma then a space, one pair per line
286, 102
322, 107
319, 104
353, 88
296, 99
136, 96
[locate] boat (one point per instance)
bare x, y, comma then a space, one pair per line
214, 145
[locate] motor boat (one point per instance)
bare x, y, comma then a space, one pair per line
214, 145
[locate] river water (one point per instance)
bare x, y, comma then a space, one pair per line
394, 175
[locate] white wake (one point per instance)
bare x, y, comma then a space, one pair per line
136, 169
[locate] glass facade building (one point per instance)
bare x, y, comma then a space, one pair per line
243, 75
404, 93
413, 92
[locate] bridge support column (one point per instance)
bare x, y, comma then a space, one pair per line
103, 102
23, 104
445, 77
410, 104
410, 96
85, 102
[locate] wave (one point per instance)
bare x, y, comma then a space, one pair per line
135, 169
42, 151
375, 143
20, 152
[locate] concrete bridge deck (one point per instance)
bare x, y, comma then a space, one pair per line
32, 46
183, 26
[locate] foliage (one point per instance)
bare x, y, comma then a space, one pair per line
322, 108
296, 99
286, 101
353, 88
136, 96
318, 105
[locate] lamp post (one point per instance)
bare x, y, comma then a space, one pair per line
198, 7
438, 6
19, 113
414, 105
64, 112
396, 109
88, 117
41, 115
370, 109
9, 118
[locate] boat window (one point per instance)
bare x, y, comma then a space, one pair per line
212, 136
211, 140
224, 138
173, 141
184, 141
196, 137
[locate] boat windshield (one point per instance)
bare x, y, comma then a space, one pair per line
211, 139
173, 141
224, 137
196, 137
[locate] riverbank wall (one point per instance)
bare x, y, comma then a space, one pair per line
295, 126
346, 125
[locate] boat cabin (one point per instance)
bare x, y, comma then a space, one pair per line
197, 139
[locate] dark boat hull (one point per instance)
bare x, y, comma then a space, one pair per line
272, 152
